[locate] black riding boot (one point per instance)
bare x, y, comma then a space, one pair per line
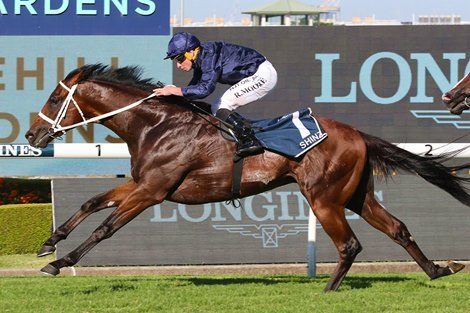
247, 143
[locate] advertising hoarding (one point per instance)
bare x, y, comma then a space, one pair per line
270, 227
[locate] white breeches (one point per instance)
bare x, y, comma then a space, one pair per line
248, 89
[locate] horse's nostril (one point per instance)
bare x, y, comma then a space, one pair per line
29, 136
446, 97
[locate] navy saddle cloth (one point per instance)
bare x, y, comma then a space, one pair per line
291, 135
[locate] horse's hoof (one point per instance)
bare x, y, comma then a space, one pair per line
50, 270
455, 267
45, 250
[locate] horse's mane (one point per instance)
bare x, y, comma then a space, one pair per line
129, 76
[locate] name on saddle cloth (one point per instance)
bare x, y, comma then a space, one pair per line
292, 134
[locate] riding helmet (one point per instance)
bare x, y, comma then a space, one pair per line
181, 43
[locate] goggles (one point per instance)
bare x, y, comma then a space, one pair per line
179, 58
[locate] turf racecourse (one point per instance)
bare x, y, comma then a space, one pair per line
263, 288
401, 292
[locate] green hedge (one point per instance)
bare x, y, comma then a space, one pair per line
24, 227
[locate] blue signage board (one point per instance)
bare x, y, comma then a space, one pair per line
84, 17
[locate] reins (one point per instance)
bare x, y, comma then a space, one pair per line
204, 113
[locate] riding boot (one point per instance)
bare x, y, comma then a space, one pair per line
247, 143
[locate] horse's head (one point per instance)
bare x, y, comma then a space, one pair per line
59, 111
457, 99
84, 96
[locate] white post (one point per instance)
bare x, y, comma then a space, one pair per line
182, 13
310, 20
312, 238
287, 20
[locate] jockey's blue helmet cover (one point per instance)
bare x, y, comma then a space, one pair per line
181, 43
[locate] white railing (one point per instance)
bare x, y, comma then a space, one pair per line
119, 150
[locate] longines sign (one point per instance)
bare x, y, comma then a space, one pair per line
268, 217
84, 17
23, 151
426, 66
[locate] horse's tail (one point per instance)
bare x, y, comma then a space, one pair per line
385, 158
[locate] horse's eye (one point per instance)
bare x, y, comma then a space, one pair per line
53, 99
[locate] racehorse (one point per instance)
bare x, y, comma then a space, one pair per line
178, 154
457, 99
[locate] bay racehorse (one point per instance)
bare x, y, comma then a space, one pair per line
457, 99
178, 154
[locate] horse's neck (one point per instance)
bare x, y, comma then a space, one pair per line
111, 99
132, 124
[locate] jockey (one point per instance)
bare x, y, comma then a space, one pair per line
248, 72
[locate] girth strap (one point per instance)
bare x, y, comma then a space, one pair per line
237, 178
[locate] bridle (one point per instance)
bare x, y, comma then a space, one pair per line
55, 124
466, 102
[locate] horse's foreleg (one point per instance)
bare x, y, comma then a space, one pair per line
379, 218
335, 225
132, 206
102, 201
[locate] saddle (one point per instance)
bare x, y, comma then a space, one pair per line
291, 135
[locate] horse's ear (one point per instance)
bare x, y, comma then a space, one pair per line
73, 78
160, 84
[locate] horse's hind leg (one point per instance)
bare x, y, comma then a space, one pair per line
102, 201
379, 218
336, 226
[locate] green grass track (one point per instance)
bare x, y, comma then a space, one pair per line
403, 292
